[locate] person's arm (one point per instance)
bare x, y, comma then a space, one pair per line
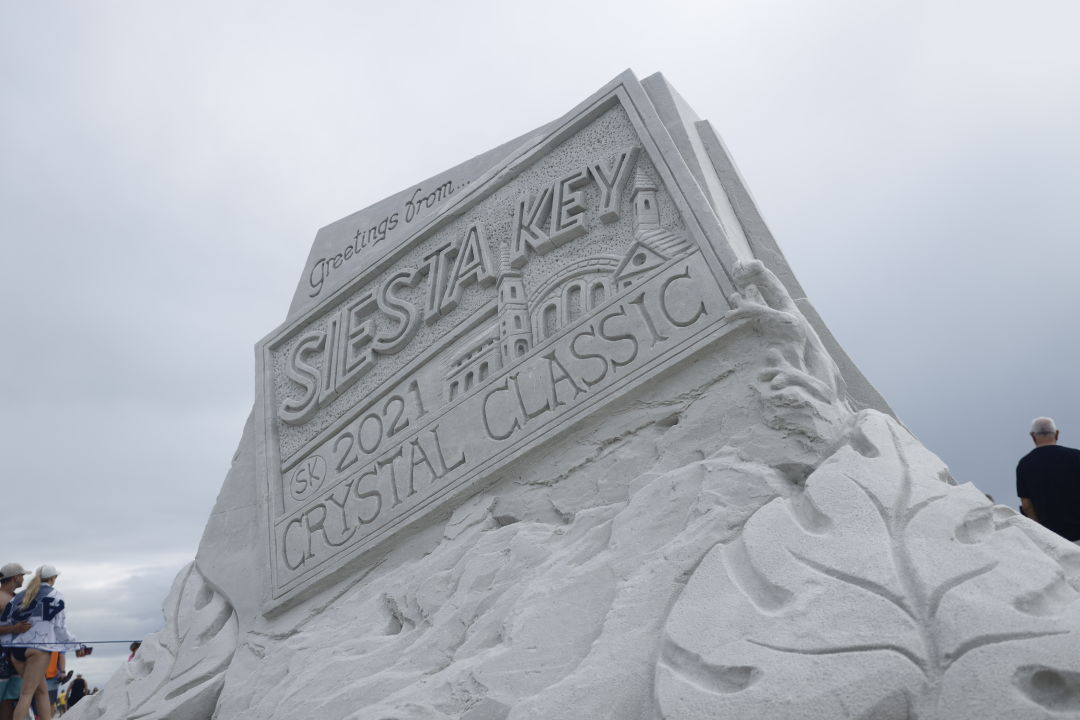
17, 628
1026, 506
9, 628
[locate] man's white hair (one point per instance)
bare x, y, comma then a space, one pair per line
1043, 426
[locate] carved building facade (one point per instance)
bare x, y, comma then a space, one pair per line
571, 293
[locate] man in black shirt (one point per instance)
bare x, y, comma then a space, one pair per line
1048, 482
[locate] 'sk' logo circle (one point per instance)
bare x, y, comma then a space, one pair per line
308, 477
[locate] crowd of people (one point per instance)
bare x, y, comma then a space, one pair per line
34, 640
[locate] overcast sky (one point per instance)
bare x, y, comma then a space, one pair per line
164, 167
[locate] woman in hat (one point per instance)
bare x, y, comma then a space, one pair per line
42, 606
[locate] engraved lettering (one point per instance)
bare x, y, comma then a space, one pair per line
551, 217
348, 347
486, 413
368, 449
418, 457
639, 303
685, 275
328, 372
414, 390
628, 337
403, 312
301, 410
436, 264
370, 494
442, 457
348, 457
319, 272
340, 505
308, 477
528, 233
612, 180
366, 435
420, 201
553, 380
590, 333
305, 553
396, 425
473, 265
559, 205
388, 461
319, 524
357, 338
568, 207
521, 401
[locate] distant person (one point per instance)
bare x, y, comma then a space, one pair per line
1048, 482
11, 579
42, 606
134, 647
76, 691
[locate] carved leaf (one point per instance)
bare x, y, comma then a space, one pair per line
180, 670
890, 599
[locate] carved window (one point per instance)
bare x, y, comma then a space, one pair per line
453, 389
573, 303
551, 319
468, 381
522, 347
517, 322
513, 292
483, 372
597, 297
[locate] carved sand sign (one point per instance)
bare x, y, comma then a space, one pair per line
560, 279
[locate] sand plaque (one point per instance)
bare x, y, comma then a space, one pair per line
562, 277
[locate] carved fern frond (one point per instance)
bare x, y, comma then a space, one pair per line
895, 604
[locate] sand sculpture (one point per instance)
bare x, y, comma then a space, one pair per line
556, 434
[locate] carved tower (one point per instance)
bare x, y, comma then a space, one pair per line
653, 245
646, 211
515, 330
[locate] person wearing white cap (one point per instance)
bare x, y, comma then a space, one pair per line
11, 579
42, 606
